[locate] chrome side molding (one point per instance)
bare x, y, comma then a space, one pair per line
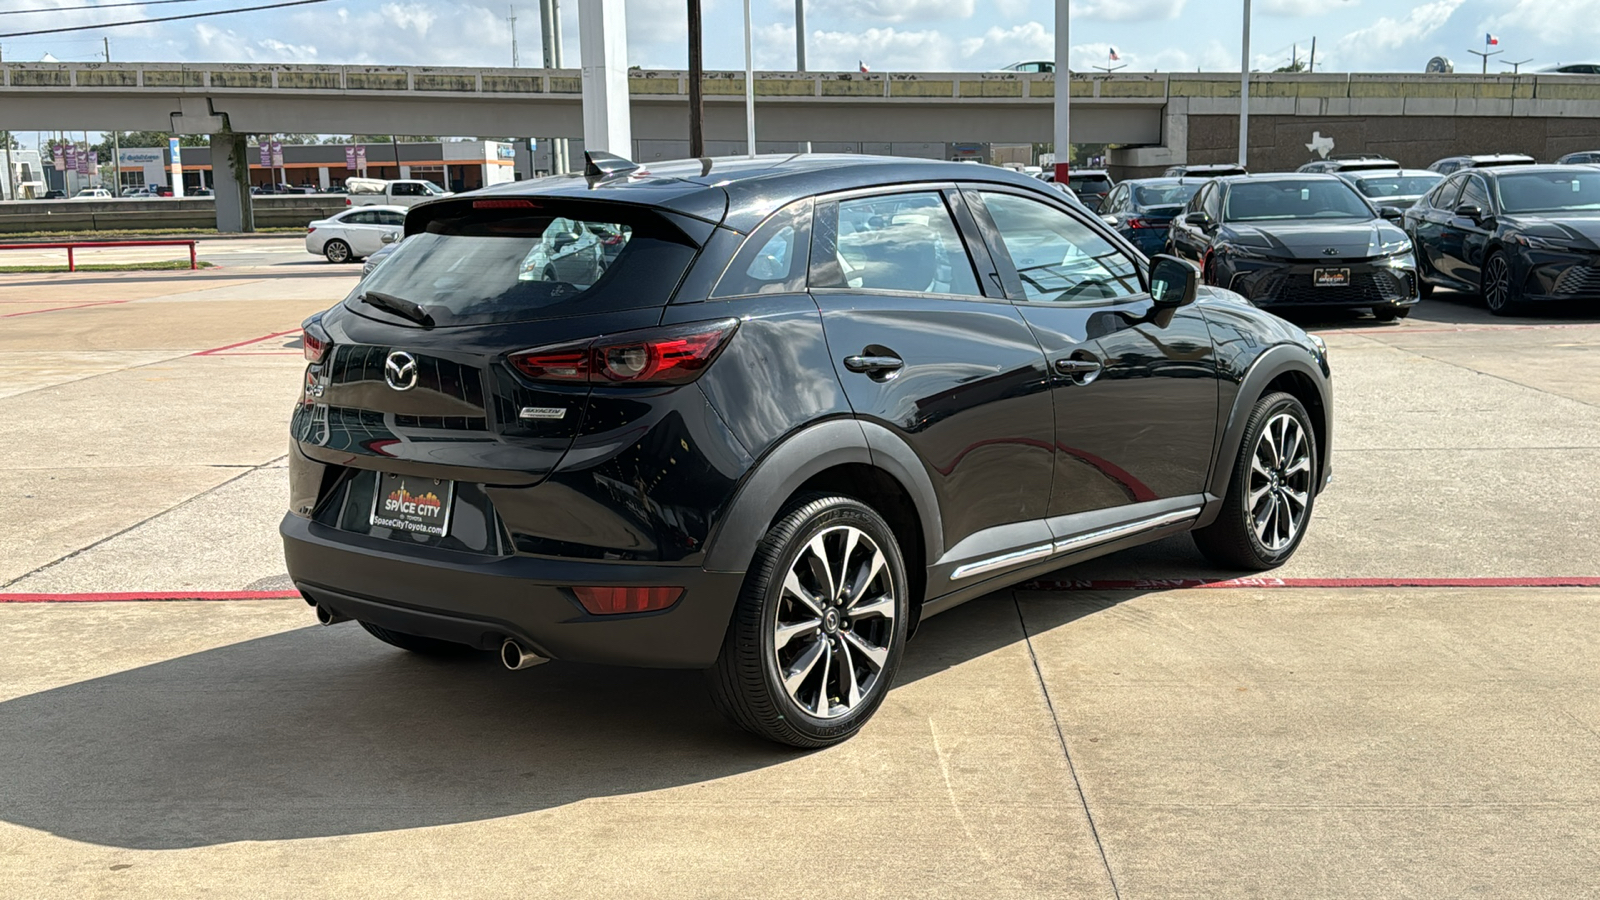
1071, 544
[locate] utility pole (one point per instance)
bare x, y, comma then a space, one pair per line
697, 112
1063, 110
1311, 65
515, 62
800, 50
116, 146
550, 32
749, 87
1244, 89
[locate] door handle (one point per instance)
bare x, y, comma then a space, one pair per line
1077, 366
873, 364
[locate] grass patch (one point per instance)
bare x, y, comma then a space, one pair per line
118, 233
166, 265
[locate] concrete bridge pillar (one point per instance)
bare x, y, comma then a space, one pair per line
230, 180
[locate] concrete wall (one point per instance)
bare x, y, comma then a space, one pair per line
167, 212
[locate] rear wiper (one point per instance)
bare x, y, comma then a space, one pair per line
400, 306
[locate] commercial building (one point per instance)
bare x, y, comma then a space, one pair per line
453, 165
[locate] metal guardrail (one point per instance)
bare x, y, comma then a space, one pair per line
70, 246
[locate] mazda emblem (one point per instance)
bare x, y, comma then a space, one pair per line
400, 371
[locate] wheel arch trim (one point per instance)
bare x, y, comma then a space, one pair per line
799, 458
1277, 361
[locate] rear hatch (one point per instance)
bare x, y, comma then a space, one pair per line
419, 377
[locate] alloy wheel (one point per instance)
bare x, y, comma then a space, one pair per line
834, 622
1280, 482
1496, 282
337, 252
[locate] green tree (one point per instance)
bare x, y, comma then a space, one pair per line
399, 138
1295, 66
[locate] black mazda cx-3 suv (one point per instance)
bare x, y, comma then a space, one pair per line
804, 404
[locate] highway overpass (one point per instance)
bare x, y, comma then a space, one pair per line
1159, 118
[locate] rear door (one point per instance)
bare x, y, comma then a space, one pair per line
1428, 223
927, 345
1134, 392
1465, 238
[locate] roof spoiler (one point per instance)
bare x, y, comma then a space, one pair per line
598, 165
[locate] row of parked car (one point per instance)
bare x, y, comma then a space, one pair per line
1361, 231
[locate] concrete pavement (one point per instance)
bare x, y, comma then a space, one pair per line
1328, 742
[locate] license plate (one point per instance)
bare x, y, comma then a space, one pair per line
1330, 277
413, 505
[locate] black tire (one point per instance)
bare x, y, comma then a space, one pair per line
1497, 287
745, 683
1232, 541
337, 251
1390, 313
425, 646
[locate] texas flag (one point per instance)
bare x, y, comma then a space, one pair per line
1491, 40
863, 66
1114, 56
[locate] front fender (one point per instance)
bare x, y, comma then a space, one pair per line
1271, 364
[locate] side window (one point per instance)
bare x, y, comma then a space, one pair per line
1058, 258
773, 259
1198, 201
390, 217
890, 242
1475, 193
1213, 202
1117, 200
365, 217
406, 190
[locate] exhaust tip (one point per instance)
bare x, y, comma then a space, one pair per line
328, 616
514, 657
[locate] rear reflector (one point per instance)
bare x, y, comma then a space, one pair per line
504, 204
606, 601
673, 355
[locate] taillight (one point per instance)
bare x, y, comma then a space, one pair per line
504, 203
310, 228
1136, 222
313, 344
673, 355
606, 601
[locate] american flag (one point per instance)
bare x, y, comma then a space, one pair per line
1114, 56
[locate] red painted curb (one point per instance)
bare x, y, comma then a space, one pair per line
145, 596
1160, 584
217, 351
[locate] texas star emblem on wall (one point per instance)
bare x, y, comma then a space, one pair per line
1320, 145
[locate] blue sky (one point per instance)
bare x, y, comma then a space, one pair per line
918, 35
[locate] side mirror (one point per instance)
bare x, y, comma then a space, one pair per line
1173, 282
1392, 213
1109, 220
389, 237
1198, 219
1470, 211
564, 239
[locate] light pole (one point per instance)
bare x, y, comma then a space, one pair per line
800, 50
1063, 111
1244, 89
749, 87
697, 112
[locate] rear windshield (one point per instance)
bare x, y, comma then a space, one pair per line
552, 259
1147, 196
1261, 200
1089, 184
1397, 185
1542, 192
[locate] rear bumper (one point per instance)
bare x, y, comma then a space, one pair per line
481, 601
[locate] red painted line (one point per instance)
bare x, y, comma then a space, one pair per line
1158, 584
266, 337
148, 596
29, 312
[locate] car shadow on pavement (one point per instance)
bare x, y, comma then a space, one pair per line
324, 731
1444, 308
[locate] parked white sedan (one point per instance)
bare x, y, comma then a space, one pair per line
354, 233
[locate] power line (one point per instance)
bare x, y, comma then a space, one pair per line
52, 9
219, 12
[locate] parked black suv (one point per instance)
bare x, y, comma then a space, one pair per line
808, 402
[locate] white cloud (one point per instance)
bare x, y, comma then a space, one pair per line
1554, 23
884, 49
895, 11
1303, 8
1003, 46
1012, 9
1127, 10
1388, 34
